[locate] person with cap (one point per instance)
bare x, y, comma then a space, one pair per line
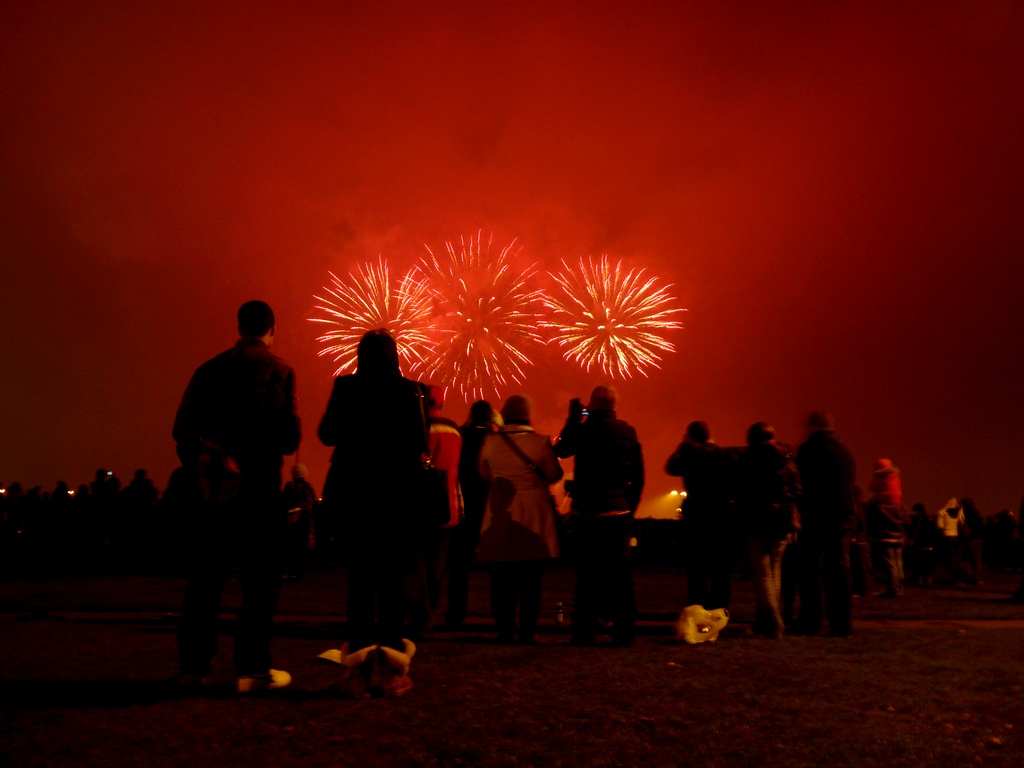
299, 500
767, 493
708, 533
608, 479
519, 534
887, 522
827, 506
234, 424
373, 422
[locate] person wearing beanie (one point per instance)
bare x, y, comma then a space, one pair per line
887, 522
519, 536
606, 487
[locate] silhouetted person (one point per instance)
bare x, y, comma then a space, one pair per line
235, 423
708, 533
299, 500
138, 514
768, 489
921, 536
608, 479
887, 521
520, 533
952, 526
827, 473
974, 541
373, 422
466, 536
445, 443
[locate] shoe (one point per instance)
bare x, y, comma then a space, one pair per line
395, 665
274, 679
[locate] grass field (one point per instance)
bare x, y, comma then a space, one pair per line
934, 679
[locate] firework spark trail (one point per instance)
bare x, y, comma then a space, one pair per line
614, 320
368, 300
487, 311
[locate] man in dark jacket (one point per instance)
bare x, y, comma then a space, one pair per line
827, 506
235, 422
708, 535
606, 487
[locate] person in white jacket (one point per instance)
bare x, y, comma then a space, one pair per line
952, 524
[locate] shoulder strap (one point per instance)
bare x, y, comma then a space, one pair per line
522, 455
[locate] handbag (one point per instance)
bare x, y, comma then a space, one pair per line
434, 506
696, 624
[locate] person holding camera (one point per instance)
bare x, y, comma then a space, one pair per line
607, 484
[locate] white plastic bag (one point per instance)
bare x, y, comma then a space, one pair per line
697, 625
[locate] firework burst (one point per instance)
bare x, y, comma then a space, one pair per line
484, 314
601, 316
368, 300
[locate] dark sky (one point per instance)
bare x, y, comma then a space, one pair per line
834, 189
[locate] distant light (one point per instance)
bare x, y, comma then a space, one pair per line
675, 493
679, 509
633, 542
683, 494
70, 492
3, 491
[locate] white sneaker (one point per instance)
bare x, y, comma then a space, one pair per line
274, 679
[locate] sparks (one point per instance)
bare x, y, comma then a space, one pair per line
368, 300
603, 317
484, 313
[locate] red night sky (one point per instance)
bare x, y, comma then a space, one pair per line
834, 190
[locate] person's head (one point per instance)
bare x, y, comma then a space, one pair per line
481, 413
435, 400
604, 398
299, 472
760, 432
256, 321
698, 432
140, 474
377, 353
820, 421
518, 409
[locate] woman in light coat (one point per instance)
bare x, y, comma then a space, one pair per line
519, 533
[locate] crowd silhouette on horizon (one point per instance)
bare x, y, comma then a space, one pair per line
794, 522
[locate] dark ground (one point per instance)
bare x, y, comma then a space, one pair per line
87, 649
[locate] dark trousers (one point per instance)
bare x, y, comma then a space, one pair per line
379, 567
603, 577
423, 589
511, 583
709, 569
461, 553
825, 566
248, 531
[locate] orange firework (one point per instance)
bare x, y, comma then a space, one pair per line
484, 314
603, 317
368, 300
